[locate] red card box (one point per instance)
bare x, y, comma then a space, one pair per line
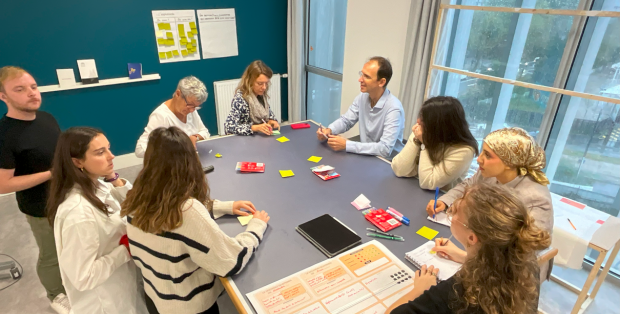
382, 220
300, 126
246, 166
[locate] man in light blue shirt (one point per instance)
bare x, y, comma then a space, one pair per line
380, 114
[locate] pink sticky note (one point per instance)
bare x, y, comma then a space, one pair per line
572, 203
600, 222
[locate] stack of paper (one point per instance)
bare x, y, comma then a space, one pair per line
361, 202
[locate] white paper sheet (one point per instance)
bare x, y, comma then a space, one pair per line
218, 33
175, 18
440, 218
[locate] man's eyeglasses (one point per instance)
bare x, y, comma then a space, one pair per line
188, 105
360, 73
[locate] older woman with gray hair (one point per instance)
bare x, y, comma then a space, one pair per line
179, 111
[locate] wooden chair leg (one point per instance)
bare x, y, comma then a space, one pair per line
601, 278
586, 287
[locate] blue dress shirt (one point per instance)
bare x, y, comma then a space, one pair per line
381, 127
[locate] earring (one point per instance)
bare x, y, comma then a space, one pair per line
82, 169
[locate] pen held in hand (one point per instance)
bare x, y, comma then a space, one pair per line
435, 204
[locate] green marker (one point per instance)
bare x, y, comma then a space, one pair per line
373, 235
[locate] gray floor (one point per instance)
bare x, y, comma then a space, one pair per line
28, 296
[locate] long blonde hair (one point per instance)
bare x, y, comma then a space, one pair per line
172, 174
251, 73
502, 277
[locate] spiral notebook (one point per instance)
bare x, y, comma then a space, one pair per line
423, 255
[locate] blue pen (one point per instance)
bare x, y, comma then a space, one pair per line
435, 205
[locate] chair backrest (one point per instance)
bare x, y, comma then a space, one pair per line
546, 256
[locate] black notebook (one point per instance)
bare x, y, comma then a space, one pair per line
329, 235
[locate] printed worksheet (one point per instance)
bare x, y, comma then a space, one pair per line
366, 279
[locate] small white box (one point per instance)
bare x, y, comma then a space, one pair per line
66, 78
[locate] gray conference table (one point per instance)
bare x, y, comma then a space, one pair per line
295, 200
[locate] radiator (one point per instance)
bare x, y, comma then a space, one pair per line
225, 91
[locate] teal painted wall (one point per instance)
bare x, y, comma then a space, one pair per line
42, 36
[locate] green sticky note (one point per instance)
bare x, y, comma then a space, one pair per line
315, 158
169, 54
194, 42
162, 55
175, 52
169, 35
286, 173
195, 31
282, 139
427, 232
275, 132
192, 25
184, 53
190, 35
244, 220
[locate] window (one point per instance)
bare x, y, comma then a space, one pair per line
325, 58
556, 75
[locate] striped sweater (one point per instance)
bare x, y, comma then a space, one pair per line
181, 267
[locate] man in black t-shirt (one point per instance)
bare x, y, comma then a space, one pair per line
27, 142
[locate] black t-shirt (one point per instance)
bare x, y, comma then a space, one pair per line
437, 300
28, 147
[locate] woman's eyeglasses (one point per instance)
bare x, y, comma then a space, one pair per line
188, 105
452, 211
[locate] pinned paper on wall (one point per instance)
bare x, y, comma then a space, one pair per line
171, 27
190, 35
218, 33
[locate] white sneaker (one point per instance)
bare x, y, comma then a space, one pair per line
61, 304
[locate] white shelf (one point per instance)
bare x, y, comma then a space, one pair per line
114, 81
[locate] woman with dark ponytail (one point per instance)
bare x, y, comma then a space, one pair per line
97, 271
500, 273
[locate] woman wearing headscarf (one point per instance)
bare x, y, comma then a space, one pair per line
512, 158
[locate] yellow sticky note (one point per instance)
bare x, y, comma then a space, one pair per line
189, 46
194, 42
195, 31
161, 25
282, 139
162, 55
175, 52
286, 173
244, 220
182, 35
169, 35
183, 41
184, 53
218, 155
190, 35
161, 41
159, 34
192, 25
169, 54
427, 232
181, 28
315, 158
170, 42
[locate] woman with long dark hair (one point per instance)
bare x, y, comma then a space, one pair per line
499, 273
97, 271
440, 148
173, 238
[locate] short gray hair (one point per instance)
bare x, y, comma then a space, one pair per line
191, 86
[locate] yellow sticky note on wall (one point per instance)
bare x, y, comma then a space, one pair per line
195, 31
175, 52
159, 34
162, 55
286, 173
427, 232
194, 42
161, 41
169, 35
181, 28
169, 54
161, 25
189, 46
183, 41
184, 53
192, 25
190, 35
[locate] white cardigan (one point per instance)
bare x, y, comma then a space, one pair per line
162, 116
97, 272
451, 171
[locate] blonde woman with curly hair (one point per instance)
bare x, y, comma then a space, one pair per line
500, 271
250, 111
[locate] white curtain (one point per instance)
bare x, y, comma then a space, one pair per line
422, 19
296, 61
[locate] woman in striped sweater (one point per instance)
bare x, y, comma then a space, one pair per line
172, 235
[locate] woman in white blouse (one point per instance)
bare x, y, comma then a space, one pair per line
440, 148
96, 269
180, 111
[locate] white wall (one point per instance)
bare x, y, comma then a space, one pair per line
374, 28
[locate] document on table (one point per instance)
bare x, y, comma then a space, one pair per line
172, 30
218, 33
366, 279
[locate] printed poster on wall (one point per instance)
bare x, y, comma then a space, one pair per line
176, 34
218, 33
